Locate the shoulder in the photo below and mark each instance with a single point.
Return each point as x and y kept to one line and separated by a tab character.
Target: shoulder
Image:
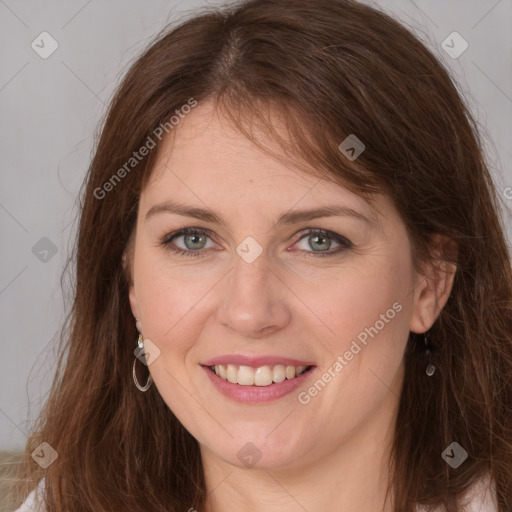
31	504
481	497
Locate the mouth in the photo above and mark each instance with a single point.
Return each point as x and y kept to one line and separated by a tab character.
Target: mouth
261	376
256	385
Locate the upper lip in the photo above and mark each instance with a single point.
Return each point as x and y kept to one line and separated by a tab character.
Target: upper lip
255	362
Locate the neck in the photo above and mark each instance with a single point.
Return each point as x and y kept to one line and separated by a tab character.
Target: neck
352	476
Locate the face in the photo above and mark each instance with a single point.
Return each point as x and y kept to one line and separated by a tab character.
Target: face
335	293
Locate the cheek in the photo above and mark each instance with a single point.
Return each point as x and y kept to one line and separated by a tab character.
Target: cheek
367	312
353	298
170	301
158	295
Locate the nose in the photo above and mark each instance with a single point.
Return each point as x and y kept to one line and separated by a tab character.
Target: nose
255	300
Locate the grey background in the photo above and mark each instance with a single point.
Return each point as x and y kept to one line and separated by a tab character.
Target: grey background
51	107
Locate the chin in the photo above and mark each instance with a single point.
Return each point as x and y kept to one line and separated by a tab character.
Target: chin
258	452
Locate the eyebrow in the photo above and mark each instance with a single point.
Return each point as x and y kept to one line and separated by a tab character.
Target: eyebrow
291	217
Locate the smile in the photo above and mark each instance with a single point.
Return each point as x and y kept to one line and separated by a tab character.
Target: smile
256	385
260	376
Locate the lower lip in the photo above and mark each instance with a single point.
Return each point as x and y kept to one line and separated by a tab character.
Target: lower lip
257	394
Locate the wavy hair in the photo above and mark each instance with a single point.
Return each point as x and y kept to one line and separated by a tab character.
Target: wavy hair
331	68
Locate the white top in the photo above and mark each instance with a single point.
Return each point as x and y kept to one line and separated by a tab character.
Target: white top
481	498
29	505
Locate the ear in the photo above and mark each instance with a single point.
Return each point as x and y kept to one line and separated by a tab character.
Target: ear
434	284
134	305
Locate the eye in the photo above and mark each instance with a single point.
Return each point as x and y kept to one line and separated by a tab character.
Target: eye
195	239
320	241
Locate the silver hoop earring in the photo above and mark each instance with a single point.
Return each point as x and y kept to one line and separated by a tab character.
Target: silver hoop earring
139	351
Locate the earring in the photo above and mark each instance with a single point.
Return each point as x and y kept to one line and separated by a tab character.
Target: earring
139	354
428	352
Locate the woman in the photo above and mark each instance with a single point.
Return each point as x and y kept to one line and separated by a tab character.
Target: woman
293	290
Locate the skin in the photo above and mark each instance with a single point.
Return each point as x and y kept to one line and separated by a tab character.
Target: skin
335	449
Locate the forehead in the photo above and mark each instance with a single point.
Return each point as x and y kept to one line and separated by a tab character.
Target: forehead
206	160
205	142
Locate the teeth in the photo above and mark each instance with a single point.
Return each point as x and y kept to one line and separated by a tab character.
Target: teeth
261	376
245	376
232	374
279	373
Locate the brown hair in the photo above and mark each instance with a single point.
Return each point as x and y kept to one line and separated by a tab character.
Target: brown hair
332	68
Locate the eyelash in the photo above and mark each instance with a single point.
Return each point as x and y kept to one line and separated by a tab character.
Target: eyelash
344	243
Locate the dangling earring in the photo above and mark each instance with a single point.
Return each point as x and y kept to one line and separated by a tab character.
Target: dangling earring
139	353
428	352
